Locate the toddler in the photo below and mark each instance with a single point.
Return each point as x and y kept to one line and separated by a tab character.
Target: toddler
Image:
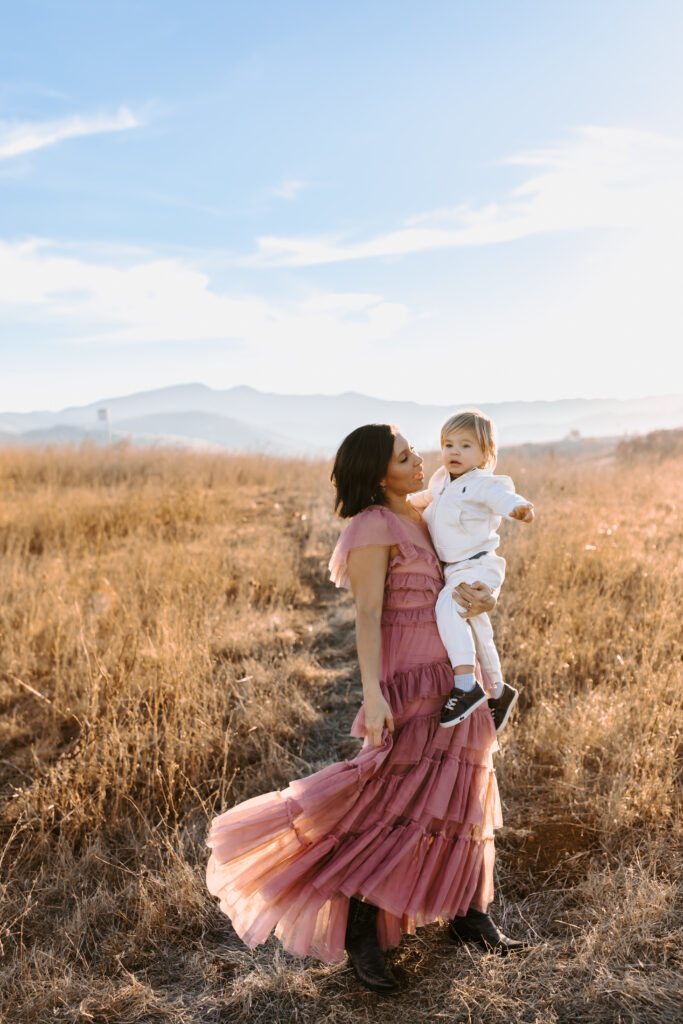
463	506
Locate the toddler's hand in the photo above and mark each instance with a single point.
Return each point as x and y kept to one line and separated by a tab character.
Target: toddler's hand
525	513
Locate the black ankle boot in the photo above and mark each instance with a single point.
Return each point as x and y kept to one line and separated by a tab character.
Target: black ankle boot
478	927
363	949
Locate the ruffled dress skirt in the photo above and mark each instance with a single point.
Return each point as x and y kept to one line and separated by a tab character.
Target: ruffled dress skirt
408	825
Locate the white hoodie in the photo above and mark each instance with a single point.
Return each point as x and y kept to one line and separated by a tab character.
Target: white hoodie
464	514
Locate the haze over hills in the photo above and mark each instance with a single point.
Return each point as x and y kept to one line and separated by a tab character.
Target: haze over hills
244	419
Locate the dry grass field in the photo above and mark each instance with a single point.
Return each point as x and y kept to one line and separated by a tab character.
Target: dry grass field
170	645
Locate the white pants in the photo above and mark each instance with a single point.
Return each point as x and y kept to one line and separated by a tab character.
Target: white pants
463	638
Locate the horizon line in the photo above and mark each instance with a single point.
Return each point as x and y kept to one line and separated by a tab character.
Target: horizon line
338	394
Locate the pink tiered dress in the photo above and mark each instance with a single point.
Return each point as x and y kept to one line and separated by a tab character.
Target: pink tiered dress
407	825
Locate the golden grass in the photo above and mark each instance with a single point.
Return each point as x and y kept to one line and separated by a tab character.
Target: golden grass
170	645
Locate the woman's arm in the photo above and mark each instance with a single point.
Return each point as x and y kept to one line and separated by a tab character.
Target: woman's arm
367	568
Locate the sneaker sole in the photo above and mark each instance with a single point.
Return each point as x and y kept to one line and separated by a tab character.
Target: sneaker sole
457	721
507	713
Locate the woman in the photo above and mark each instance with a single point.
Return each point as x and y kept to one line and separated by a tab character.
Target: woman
402	835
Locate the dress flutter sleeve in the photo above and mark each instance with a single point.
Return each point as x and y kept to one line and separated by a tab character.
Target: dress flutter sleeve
373	526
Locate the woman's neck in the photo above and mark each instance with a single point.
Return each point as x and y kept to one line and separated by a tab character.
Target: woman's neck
399	504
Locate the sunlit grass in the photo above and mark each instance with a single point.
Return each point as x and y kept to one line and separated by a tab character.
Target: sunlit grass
169	645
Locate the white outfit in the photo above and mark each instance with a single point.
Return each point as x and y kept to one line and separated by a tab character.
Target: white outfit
463	516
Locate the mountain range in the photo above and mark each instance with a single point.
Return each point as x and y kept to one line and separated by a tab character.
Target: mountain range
244	419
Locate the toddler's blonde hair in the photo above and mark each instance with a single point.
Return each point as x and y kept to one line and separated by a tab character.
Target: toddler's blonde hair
481	426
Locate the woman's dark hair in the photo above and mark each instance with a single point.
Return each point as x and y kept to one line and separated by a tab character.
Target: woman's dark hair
360	463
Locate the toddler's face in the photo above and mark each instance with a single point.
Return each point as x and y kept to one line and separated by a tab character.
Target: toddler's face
461	452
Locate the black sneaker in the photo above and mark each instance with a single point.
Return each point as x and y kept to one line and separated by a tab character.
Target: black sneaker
461	704
501	707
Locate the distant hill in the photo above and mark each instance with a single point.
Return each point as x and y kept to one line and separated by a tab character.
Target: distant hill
654	447
244	419
223	431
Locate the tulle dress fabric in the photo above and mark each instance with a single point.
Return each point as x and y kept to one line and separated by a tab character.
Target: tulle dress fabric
408	825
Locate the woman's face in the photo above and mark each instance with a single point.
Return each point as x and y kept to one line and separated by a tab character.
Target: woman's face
404	473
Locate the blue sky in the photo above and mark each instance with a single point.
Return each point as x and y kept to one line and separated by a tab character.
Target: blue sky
449	202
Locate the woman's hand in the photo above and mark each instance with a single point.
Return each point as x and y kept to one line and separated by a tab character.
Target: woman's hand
377	714
474	598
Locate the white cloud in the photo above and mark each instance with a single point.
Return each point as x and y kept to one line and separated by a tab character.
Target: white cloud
608	323
161	300
25	136
599	178
571	327
289	189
